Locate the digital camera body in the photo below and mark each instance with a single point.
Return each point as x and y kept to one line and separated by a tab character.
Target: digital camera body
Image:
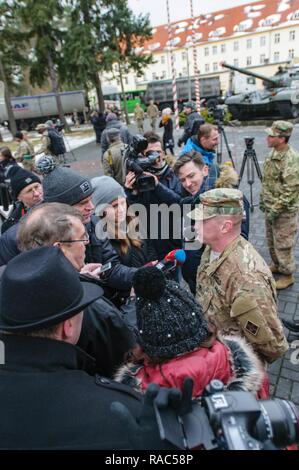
231	420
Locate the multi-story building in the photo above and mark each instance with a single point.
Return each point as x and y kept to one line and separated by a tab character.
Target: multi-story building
258	36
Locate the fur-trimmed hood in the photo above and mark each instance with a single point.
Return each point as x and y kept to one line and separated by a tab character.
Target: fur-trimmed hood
244	370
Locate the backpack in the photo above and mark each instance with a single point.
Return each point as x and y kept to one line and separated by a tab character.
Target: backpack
56	146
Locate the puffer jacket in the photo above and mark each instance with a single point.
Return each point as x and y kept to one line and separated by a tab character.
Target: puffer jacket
230	360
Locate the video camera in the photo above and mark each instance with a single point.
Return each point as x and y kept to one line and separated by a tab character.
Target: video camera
217	113
230	420
249	141
137	162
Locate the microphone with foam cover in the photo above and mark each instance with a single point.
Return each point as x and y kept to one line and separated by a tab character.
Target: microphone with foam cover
173	259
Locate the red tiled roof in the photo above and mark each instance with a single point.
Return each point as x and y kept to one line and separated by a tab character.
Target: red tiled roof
233	22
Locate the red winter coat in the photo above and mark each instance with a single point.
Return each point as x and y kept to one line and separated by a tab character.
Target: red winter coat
229	361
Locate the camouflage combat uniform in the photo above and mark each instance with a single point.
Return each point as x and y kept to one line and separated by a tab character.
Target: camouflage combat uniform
25	155
236	290
139	118
280	201
152	113
114	162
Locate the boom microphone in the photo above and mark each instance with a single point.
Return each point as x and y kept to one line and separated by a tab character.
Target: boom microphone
173	259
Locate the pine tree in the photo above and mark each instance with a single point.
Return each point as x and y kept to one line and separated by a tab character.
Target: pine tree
123	41
44	23
81	46
11	58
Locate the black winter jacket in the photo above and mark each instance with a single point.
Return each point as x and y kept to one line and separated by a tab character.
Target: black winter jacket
120	277
170	181
50	399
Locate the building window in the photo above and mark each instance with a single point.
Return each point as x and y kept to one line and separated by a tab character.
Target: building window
248	61
206	51
163	74
214	50
292	35
262	41
154	75
291	53
277	38
185	72
223	48
236	62
126	80
215	66
262	58
207	67
184	55
276	56
249	43
236	46
162	59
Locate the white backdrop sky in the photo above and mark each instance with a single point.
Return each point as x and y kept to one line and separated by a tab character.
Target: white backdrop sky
179	9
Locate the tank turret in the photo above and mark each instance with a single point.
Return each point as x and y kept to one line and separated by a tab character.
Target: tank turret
280	97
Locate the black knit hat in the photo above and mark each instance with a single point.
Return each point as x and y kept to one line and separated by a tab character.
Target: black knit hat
20	178
63	184
169	320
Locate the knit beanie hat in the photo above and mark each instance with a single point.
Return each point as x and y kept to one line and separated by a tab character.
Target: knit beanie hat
106	190
63	184
169	320
111	117
113	133
20	178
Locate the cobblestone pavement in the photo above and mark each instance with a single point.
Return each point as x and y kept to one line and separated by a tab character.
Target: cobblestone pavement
284	373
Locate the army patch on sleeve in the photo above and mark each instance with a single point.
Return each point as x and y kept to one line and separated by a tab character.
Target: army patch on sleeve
252	328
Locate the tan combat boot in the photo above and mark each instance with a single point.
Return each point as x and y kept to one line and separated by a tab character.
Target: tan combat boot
274	269
285	281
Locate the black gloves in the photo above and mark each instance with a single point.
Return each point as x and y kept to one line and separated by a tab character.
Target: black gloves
166	404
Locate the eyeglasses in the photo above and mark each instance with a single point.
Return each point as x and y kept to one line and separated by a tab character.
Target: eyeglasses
84	240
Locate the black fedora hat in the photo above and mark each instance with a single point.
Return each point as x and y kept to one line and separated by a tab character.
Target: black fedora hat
40	288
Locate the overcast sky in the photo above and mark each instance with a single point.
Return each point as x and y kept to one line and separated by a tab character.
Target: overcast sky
179	9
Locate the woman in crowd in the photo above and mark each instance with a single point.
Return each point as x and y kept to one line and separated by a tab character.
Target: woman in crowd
176	342
118	224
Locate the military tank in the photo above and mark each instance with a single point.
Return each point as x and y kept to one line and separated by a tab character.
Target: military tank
279	98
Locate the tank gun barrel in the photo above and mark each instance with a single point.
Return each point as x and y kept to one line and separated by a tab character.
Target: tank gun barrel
246	72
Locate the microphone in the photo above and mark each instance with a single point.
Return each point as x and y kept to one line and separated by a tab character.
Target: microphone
173	259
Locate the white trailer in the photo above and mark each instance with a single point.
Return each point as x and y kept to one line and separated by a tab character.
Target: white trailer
29	110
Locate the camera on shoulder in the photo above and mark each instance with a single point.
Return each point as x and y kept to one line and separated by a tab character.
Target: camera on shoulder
138	162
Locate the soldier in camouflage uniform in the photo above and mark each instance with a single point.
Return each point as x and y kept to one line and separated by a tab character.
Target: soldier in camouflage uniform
152	113
280	201
234	284
139	117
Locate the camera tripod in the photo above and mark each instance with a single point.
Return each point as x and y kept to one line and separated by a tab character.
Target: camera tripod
223	137
252	163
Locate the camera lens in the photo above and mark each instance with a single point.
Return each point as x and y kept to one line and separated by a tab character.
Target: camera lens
279	422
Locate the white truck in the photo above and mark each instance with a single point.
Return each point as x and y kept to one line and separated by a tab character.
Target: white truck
31	110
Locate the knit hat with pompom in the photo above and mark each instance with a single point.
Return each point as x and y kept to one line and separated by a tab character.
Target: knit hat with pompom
169	320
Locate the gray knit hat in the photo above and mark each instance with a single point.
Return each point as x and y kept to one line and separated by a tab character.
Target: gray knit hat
64	185
112	133
106	190
169	320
